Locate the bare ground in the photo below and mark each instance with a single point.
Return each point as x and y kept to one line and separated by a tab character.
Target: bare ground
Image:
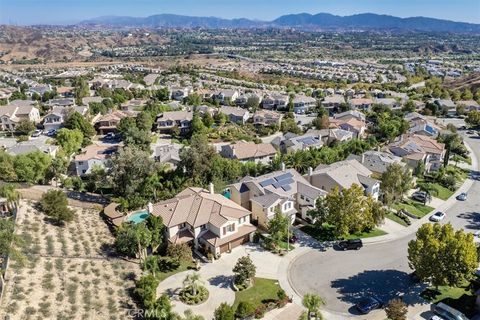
68	273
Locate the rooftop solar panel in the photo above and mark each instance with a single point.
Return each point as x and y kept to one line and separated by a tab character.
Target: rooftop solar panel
284	176
267	182
286	188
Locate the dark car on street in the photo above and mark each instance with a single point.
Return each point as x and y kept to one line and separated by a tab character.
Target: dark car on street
368	304
351	244
447	312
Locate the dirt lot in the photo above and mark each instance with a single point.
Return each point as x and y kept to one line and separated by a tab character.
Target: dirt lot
68	273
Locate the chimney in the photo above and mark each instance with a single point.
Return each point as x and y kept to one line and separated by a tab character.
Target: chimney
211	188
150	207
283	166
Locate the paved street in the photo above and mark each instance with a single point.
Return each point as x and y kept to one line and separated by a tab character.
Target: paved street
341	278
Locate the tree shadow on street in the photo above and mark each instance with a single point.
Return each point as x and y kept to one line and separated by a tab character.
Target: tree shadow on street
472	219
221	281
384	284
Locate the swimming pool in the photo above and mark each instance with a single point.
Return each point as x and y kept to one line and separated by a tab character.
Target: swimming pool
138	216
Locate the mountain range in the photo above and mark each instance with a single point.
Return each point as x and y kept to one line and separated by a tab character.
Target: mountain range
305	21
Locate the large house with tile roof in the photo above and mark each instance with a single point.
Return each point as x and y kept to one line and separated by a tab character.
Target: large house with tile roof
16	111
414	148
284	191
342	175
205	219
249	152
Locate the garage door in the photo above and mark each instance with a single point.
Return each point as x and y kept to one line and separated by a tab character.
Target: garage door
234	243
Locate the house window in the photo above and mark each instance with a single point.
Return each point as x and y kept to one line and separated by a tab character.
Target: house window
308	200
182	225
203	227
80	163
229	228
302	197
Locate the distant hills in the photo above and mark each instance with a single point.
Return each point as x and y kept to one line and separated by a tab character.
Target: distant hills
305	21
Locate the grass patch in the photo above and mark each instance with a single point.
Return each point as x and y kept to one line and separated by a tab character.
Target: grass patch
397	219
263	290
183	266
370	234
414	207
441	192
325	233
460	298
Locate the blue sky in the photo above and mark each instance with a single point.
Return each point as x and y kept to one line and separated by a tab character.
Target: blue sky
68	11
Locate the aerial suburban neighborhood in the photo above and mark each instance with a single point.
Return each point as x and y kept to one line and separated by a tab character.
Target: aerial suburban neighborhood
188	167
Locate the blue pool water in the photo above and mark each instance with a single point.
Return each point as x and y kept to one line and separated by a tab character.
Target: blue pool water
138	216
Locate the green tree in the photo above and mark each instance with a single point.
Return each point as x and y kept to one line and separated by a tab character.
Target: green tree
278	226
443	256
7	169
180	252
244	309
473	118
321	122
33	167
396	181
197	126
224	312
9	192
76	121
193	99
70	140
313	303
25	127
244	270
144	121
150	264
9	241
396	309
146	291
156	227
193	282
347	211
54	204
196	159
133	239
129	171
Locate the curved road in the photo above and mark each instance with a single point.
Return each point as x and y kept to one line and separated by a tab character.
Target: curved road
341	278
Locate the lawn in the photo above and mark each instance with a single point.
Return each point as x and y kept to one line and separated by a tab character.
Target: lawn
325	234
397	219
414	207
184	266
442	192
263	290
460	298
370	234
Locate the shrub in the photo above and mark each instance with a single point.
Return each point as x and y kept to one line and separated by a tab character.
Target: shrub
180	252
54	204
224	312
166	264
244	309
187	297
260	311
396	310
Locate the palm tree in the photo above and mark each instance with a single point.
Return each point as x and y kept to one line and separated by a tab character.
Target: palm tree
193	281
151	264
313	303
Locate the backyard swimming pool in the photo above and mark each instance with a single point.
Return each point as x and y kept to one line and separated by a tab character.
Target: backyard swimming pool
138	216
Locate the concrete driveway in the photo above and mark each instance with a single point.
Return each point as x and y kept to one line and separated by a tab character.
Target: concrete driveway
218	278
